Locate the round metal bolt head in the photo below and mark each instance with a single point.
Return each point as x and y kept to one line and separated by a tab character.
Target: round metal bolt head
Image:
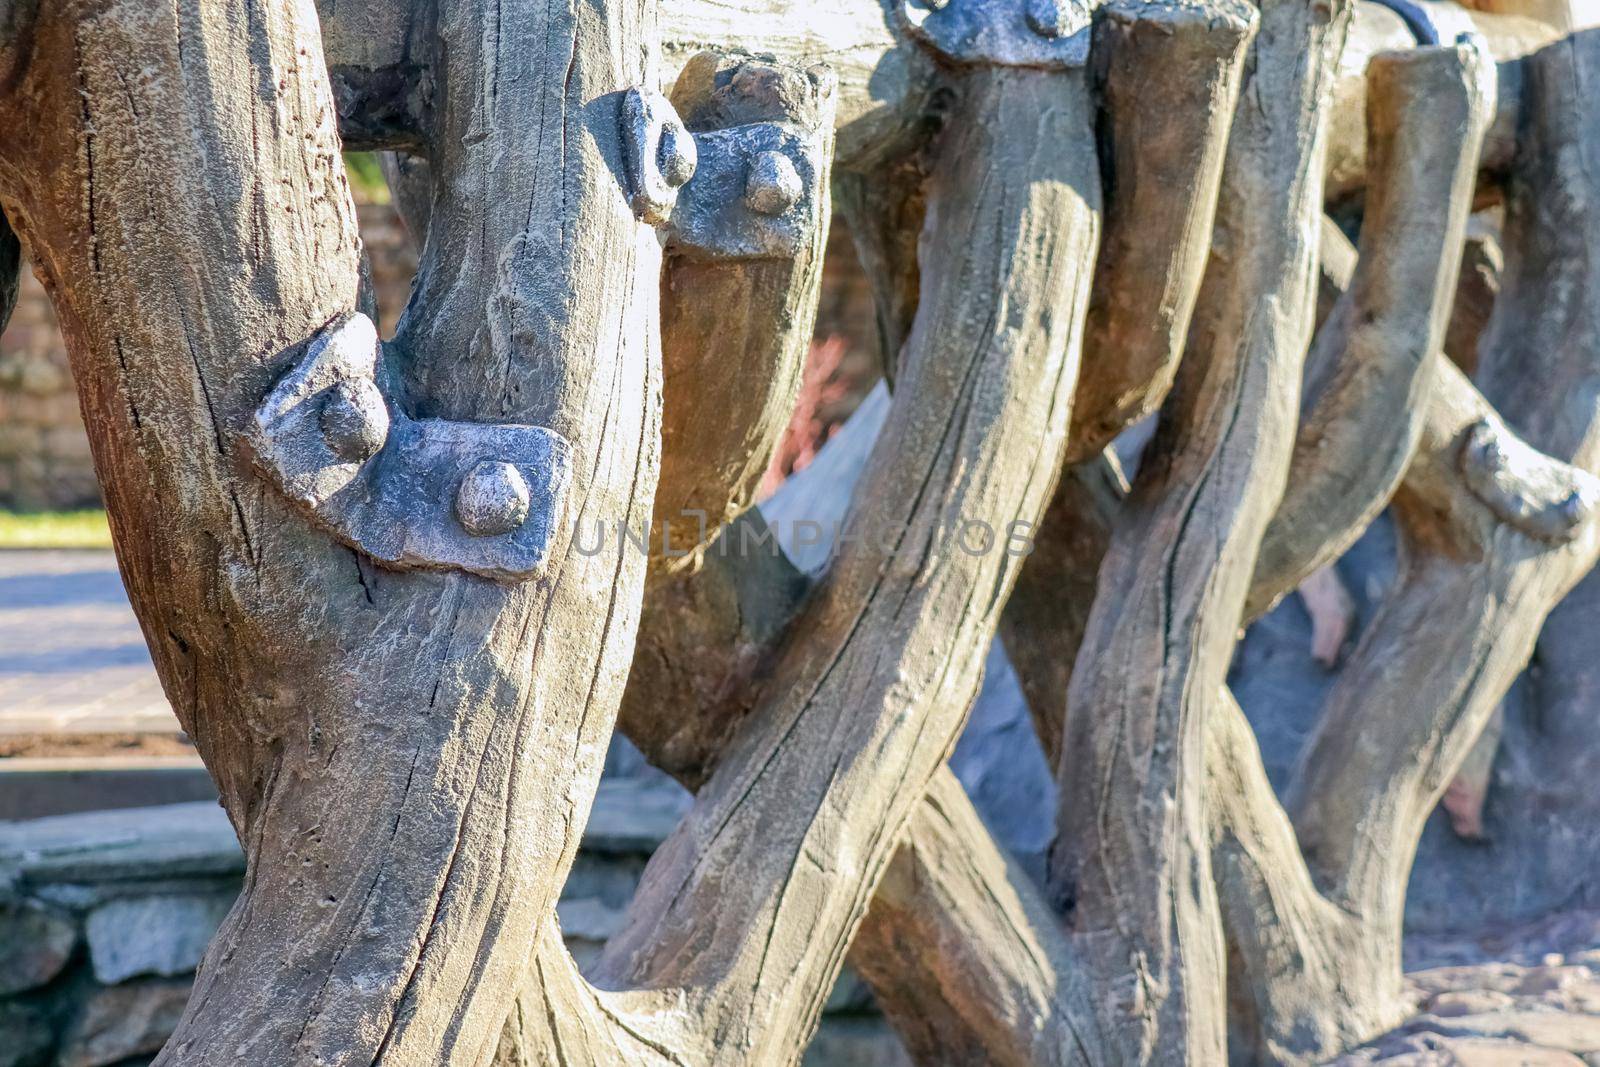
772	185
492	499
676	155
354	420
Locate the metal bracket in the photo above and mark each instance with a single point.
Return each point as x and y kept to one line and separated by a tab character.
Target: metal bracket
1051	34
410	493
749	188
753	196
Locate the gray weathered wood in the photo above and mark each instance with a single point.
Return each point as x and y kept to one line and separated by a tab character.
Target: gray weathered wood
402	667
1137	885
1370	372
366	726
1162	165
879	633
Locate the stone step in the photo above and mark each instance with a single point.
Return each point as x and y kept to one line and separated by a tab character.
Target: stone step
34	788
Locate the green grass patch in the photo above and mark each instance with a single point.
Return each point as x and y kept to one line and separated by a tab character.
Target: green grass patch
54	529
366	177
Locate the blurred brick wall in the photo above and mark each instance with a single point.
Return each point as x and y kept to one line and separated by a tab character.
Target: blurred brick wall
44	456
44	453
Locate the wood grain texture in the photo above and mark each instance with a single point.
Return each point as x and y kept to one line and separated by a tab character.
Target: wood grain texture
409	755
1474	586
889	88
736	331
1023	1000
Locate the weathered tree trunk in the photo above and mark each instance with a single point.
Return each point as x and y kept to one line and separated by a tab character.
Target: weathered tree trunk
372	728
1162	165
1370	373
1495	532
1131	865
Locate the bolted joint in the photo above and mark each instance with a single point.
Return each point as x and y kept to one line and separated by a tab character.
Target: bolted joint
772	184
761	130
409	493
758	194
354	420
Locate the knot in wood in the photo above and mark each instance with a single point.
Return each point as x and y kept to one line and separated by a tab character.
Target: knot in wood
1543	497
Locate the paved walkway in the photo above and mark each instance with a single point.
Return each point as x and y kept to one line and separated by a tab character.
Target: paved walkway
72	658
